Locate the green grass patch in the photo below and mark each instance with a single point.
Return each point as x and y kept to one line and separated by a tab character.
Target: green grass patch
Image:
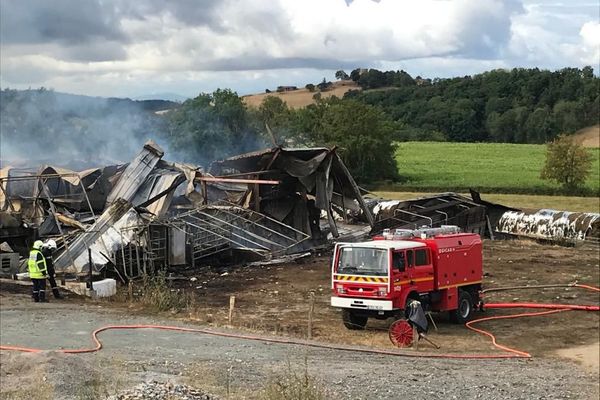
487	167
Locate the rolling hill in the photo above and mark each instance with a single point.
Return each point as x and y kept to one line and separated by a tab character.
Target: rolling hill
302	97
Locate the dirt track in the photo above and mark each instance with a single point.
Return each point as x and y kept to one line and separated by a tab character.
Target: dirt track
130	357
275	300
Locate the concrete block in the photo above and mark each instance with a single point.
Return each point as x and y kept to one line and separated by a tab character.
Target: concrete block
103	288
23	276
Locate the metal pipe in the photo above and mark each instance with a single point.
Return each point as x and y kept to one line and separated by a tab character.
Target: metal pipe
90	265
237	180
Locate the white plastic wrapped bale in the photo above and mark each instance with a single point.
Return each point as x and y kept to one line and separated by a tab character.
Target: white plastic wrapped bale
550	224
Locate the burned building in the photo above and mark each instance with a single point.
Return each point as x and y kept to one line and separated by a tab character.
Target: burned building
153	213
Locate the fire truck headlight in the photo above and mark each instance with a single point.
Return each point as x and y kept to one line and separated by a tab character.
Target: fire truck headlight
382	291
341	289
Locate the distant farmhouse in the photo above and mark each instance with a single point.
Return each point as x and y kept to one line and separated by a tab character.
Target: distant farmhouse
286	88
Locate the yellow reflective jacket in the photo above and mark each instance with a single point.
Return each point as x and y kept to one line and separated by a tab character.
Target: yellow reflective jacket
36	264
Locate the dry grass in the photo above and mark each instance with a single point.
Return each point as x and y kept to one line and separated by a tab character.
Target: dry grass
588	137
566	203
293	384
301	97
42	391
158	295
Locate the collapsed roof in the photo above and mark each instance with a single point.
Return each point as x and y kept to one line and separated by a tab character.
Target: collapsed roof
267	202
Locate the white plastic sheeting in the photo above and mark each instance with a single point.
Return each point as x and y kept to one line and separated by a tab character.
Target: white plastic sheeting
385	205
116	236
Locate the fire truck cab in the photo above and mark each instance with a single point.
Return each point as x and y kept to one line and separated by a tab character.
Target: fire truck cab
440	267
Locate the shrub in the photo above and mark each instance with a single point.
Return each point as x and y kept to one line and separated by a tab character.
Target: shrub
157	294
567	163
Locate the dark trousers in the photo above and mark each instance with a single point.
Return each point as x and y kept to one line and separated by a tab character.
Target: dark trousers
39	290
54	286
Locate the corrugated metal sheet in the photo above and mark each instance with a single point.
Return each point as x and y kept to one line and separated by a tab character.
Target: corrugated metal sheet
136	173
76	258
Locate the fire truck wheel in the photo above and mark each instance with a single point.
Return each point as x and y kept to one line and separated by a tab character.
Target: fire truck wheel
465	308
352	321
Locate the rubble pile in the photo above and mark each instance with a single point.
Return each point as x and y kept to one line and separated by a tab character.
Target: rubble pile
133	219
152	214
162	391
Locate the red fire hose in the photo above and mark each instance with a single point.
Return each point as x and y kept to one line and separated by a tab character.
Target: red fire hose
546	306
511	353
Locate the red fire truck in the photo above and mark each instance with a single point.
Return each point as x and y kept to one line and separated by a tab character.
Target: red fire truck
440	267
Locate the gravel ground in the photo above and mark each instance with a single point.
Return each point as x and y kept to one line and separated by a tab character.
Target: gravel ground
242	368
158	390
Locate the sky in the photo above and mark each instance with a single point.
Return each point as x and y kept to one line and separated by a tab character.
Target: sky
141	48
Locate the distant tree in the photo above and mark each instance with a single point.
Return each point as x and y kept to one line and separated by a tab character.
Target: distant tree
402	78
272	120
273	111
567	163
212	126
310	87
324	85
373	79
342	75
267	91
363	133
355	74
539	125
567	115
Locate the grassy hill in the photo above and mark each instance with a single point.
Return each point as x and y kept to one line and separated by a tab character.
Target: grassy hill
487	167
302	97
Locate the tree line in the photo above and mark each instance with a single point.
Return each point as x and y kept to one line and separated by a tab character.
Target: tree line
516	106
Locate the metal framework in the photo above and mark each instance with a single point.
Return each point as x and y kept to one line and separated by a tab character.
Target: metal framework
41	181
213	229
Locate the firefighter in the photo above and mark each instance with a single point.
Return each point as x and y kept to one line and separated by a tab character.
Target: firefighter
47	250
37	271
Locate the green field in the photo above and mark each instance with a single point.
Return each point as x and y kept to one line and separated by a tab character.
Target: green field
486	167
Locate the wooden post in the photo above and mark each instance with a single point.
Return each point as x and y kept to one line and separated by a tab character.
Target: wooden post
311	310
231	306
130	290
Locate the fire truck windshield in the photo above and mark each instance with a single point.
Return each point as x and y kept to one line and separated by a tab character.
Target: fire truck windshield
362	261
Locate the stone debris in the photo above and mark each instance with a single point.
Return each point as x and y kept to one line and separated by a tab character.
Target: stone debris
162	391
